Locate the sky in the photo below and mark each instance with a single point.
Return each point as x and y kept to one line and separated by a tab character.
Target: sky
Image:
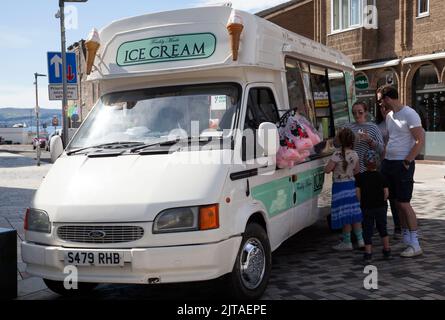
29	29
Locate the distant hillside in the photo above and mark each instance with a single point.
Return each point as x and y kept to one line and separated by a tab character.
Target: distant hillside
12	116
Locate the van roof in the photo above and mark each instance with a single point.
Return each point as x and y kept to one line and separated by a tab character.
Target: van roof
263	44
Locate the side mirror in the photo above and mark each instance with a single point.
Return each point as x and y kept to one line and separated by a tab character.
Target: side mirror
269	138
56	147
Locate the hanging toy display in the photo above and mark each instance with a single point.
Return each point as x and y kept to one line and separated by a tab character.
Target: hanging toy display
297	138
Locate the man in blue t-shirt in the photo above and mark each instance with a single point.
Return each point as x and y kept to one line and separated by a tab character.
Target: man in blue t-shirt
406	140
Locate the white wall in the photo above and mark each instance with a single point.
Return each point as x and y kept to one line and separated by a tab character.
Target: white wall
435	145
16	135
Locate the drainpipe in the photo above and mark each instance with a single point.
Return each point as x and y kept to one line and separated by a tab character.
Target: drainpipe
404	25
404	46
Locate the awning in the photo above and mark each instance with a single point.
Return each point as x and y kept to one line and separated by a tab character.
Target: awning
425	57
378	65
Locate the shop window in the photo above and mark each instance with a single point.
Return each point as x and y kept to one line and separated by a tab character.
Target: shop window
339	98
429	99
423	8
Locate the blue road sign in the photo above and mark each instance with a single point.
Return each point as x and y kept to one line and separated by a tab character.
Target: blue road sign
55	67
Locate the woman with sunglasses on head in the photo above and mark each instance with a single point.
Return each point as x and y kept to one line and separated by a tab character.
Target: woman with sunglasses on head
367	134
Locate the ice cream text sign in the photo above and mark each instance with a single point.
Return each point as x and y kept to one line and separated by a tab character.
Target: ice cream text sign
169	48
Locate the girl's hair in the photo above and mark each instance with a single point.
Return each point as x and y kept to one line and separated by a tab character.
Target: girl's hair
346	138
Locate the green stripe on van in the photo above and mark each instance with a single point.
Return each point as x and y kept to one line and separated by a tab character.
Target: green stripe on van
277	196
309	184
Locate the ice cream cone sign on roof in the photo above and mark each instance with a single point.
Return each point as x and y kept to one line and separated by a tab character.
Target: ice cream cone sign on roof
235	27
92	45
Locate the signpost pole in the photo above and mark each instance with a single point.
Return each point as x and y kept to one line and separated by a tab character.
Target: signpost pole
38	120
64	79
36	76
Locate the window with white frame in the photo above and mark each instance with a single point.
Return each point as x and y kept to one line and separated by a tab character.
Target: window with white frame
347	14
423	8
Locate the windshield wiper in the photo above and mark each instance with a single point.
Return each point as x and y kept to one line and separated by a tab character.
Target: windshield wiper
175	141
112	145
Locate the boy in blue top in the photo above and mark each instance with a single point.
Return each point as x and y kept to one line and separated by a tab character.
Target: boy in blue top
372	192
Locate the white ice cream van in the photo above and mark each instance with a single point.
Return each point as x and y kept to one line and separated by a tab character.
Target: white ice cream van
172	177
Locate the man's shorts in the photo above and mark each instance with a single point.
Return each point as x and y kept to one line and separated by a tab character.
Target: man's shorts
400	180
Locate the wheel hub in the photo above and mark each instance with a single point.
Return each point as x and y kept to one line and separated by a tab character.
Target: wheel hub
252	263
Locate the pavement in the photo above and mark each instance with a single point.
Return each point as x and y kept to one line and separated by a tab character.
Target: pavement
304	267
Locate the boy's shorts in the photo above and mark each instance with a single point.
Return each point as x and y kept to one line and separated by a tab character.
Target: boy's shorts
400	180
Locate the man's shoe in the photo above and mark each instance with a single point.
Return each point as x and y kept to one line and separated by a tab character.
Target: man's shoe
411	252
386	254
343	246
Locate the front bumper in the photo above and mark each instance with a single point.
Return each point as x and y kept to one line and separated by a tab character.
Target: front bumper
168	264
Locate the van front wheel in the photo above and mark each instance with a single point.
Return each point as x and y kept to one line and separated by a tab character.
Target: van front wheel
251	272
59	288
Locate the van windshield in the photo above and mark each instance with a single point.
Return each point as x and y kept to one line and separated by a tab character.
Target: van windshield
159	114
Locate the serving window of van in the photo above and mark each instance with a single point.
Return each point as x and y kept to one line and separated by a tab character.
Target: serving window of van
339	98
319	94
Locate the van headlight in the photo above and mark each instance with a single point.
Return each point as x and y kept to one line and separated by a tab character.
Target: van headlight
187	219
37	221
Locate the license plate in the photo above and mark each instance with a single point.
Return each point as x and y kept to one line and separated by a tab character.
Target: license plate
93	258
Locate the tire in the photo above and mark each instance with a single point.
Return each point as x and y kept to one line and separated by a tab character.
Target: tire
248	282
58	287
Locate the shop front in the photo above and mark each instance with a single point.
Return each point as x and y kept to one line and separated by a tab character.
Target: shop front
428	99
369	77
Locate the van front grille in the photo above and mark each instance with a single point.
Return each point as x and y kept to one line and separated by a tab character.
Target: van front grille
100	234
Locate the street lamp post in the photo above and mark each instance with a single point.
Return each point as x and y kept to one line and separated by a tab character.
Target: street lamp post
61	16
36	76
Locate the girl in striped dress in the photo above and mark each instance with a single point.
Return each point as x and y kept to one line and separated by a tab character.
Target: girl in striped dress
345	209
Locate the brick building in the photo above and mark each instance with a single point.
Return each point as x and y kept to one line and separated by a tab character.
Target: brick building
398	42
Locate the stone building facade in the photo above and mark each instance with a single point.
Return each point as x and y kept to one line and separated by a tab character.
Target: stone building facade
398	42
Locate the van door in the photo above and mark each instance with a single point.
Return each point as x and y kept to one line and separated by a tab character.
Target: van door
273	188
